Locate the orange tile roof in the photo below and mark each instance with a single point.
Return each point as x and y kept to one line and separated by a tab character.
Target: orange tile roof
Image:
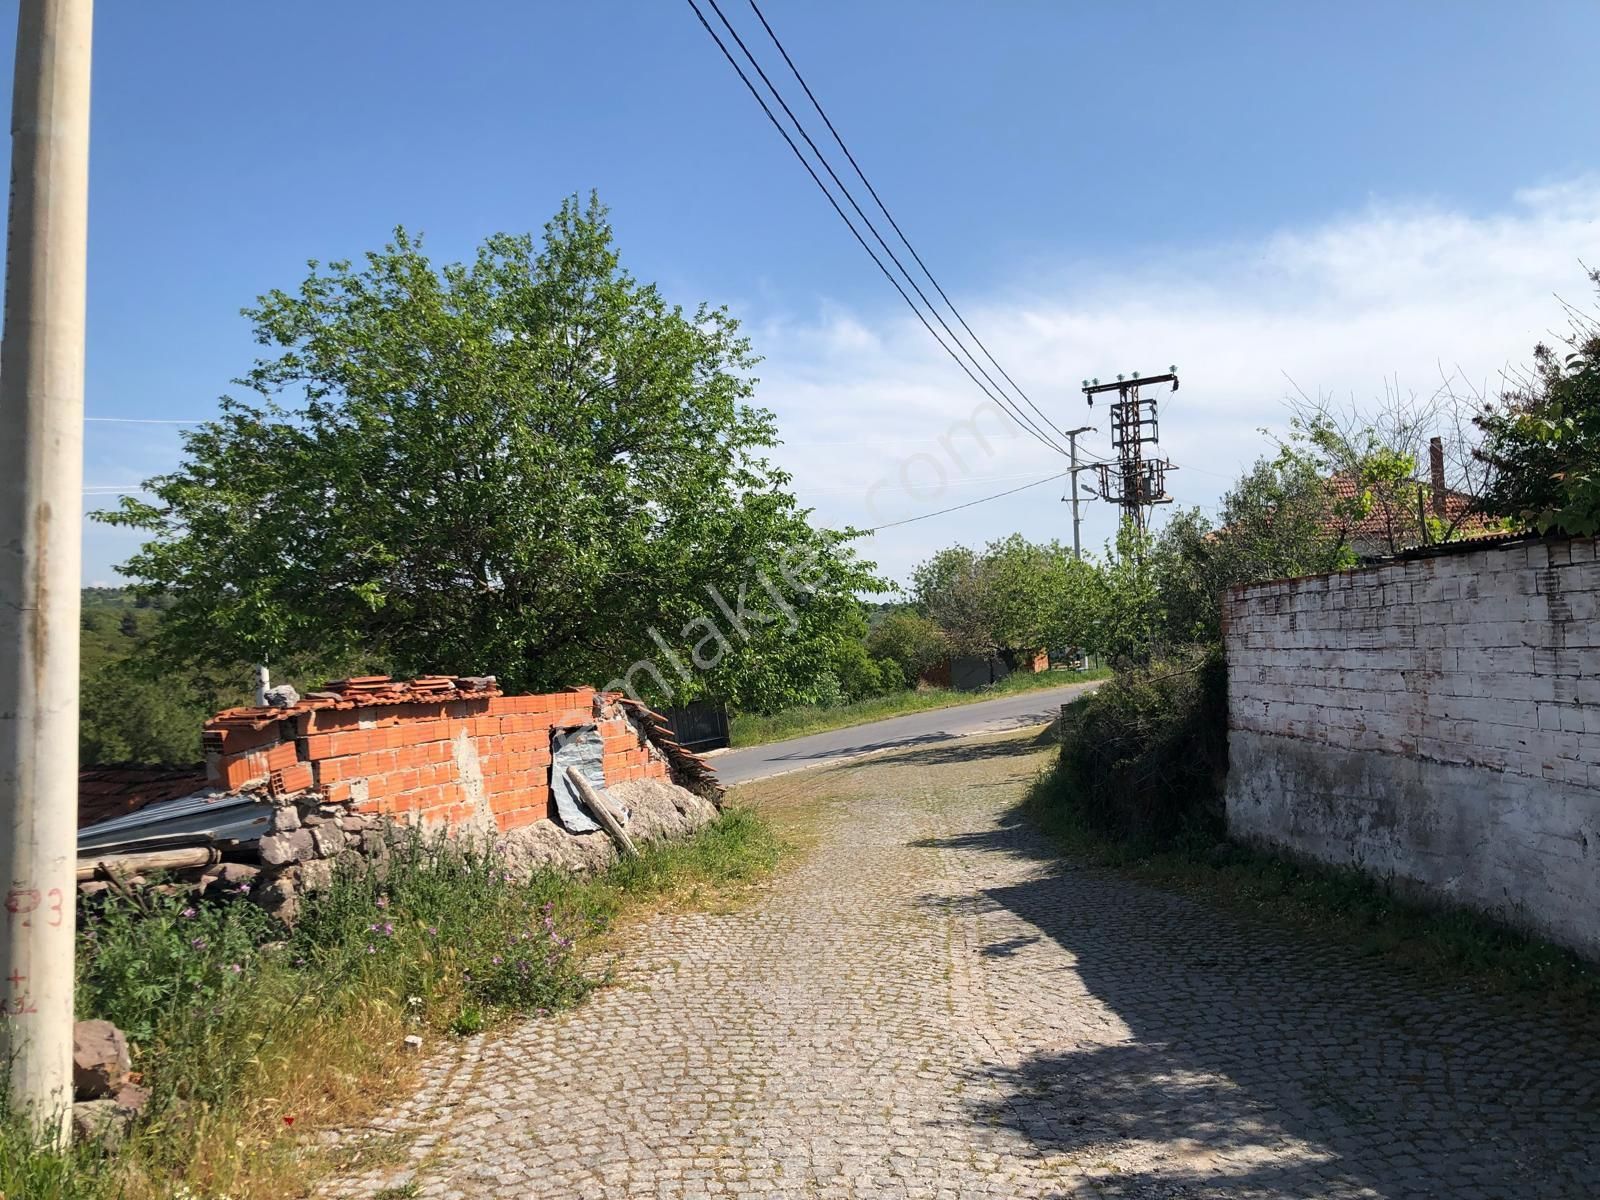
1398	525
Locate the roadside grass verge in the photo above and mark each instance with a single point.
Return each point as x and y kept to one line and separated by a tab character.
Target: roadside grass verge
1342	905
253	1036
756	729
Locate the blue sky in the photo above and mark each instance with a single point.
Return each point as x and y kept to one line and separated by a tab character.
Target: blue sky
1342	194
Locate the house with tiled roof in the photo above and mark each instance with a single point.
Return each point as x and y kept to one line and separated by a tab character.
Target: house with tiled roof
1395	522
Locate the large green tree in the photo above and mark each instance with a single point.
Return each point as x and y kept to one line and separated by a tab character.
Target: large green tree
520	465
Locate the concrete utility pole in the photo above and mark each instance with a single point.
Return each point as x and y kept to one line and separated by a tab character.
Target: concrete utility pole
1072	440
41	503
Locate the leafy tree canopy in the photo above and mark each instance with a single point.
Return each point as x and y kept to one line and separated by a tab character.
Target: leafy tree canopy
1014	595
908	640
1543	440
519	465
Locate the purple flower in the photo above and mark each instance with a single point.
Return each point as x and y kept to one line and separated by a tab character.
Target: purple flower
198	943
433	931
495	960
187	914
388	929
383	902
372	949
235	968
373	928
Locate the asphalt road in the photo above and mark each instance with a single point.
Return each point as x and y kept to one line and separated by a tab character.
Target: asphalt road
913	729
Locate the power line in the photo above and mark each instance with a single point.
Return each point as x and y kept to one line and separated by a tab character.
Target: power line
882	207
148	420
1008	406
981	500
1046	429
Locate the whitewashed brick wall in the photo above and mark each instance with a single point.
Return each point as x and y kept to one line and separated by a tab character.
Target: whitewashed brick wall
1435	720
1487	659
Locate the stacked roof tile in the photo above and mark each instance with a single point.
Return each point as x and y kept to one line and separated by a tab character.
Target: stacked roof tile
360	691
689	769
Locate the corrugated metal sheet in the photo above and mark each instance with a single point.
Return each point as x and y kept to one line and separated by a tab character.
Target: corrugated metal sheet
201	818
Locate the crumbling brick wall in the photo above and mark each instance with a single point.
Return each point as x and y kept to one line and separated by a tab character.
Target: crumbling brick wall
455	752
1435	721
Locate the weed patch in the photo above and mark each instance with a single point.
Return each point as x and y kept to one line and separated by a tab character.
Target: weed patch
251	1035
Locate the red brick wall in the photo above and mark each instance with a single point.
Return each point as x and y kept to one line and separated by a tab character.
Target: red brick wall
478	761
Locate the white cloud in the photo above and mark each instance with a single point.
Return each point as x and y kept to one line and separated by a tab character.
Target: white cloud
1399	291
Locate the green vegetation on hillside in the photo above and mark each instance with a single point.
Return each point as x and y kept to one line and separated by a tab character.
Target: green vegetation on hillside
131	709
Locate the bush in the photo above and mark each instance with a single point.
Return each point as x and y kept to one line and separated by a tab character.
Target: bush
910	642
1143	758
860	675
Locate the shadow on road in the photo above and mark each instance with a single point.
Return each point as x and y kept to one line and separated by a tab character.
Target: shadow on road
1260	1065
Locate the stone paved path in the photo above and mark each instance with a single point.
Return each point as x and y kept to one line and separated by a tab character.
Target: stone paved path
929	1005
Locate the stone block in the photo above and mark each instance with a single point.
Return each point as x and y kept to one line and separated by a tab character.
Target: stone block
283	848
328	838
100	1059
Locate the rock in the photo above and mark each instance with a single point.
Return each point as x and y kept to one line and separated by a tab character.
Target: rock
227	878
285	819
353	823
99	1122
131	1099
283	848
280	897
282	696
100	1060
315	875
413	1044
93	887
329	839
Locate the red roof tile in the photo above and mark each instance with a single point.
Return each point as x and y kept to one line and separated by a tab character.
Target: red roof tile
113	791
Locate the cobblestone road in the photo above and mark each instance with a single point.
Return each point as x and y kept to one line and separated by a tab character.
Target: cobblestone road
929	1005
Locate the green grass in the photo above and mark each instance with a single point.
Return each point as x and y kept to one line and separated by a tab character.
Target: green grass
1445	944
250	1035
754	729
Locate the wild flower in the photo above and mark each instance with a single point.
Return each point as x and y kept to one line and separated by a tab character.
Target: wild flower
235	968
371	949
198	944
383	902
188	914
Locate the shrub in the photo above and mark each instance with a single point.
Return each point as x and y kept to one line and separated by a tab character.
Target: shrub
1143	758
